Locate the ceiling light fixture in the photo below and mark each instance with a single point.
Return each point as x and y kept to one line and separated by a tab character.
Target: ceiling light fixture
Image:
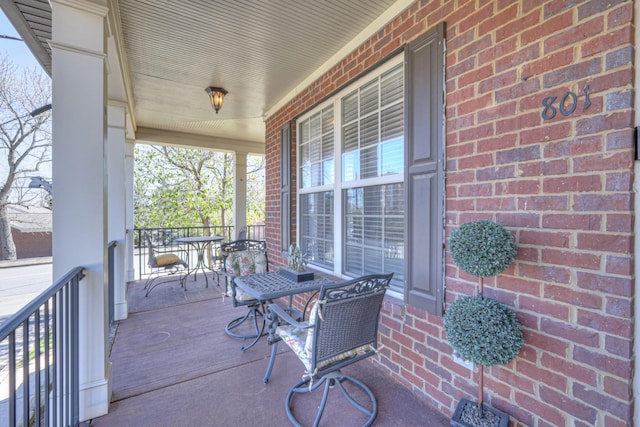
217	95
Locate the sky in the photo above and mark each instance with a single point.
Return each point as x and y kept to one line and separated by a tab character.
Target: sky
21	56
18	52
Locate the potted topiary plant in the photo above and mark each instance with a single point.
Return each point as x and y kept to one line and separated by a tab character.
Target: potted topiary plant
480	329
296	266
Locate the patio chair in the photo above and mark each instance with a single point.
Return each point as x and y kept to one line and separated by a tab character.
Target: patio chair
168	263
240	258
342	329
242	234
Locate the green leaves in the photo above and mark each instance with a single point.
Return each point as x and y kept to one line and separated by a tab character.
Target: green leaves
180	187
483	331
482	248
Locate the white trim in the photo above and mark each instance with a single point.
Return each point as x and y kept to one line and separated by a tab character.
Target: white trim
74	49
363	36
85	6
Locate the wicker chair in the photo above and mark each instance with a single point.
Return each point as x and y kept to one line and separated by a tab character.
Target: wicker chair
240	258
167	263
342	329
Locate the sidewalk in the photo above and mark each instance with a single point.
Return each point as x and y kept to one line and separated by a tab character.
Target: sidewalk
25	262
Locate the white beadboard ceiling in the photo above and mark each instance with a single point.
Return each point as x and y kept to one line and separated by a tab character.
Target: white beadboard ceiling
259	50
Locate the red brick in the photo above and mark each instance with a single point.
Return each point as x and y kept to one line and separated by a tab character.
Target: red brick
621	223
546	308
546	343
572	370
543	410
603	402
574	407
544	203
549	62
546	133
476	133
621	265
602	202
620	286
544	238
603	162
618	346
570	296
507	124
572	221
620	243
618	388
602	323
572	184
574	34
571	259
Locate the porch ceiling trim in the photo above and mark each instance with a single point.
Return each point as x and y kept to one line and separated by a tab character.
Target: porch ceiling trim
189	140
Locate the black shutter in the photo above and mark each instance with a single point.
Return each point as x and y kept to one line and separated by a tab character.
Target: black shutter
424	171
285	186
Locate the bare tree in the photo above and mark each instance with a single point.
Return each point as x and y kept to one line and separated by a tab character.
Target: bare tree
25	137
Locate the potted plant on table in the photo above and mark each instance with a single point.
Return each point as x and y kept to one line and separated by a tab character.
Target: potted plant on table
296	266
481	329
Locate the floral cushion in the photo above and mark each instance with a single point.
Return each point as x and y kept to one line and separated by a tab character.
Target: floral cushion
300	340
167	259
242	263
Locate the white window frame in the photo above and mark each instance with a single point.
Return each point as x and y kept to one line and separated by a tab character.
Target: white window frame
338	186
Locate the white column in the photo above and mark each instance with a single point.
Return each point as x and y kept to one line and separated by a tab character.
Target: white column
116	114
129	222
240	191
80	190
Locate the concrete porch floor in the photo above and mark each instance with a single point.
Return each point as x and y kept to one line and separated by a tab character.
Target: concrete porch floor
173	365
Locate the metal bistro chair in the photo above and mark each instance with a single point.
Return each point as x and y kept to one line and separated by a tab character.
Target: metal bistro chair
240	258
342	329
169	262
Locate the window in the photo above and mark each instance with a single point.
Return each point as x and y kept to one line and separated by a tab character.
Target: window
371	168
351	165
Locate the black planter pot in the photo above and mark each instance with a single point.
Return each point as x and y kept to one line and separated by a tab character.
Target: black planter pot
464	417
296	276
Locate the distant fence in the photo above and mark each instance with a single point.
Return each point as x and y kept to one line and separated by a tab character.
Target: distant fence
163	240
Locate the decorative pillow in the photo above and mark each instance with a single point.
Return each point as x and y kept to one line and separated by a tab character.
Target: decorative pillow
167	259
243	263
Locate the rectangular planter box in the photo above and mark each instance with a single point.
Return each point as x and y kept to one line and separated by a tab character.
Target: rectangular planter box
295	276
501	419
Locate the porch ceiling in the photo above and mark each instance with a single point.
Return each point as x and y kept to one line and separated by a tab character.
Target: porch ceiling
261	52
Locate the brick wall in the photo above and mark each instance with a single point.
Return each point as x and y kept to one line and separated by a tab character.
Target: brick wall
31	245
562	186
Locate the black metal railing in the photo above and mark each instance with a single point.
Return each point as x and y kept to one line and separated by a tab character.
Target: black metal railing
39	357
163	240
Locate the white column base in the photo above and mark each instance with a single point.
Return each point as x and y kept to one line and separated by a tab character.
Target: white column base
121	310
95	397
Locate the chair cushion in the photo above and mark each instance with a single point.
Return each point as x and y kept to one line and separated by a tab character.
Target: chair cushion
167	259
297	339
243	263
312	320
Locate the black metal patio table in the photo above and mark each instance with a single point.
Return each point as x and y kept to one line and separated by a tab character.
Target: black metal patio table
200	244
266	287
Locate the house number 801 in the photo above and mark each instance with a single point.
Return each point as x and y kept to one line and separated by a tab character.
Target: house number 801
570	98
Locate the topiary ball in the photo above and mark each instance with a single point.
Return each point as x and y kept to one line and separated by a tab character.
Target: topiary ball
483	331
482	248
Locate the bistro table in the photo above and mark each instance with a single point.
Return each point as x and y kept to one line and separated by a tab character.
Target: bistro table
200	244
272	285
